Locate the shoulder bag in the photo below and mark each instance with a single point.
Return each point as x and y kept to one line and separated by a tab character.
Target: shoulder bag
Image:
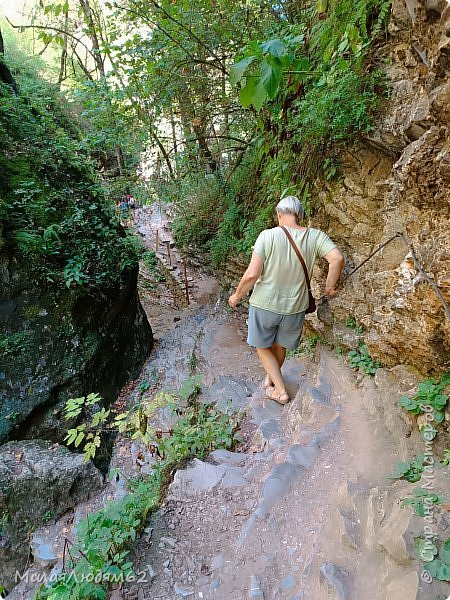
312	302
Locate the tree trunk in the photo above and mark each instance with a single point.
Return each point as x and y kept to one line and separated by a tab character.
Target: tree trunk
174	131
5	74
89	20
163	152
63	62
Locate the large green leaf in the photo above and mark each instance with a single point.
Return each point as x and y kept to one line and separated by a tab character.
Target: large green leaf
271	74
237	70
321	6
253	93
444	554
439	569
274	47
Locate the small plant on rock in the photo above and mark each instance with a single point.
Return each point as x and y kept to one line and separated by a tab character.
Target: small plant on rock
440	567
201	428
411	470
353	324
420	499
429	393
307	346
361	359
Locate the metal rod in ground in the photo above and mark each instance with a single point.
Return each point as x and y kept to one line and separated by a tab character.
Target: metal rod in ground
168	253
157	240
186	285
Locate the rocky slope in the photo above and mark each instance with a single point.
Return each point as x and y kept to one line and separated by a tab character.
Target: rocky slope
398	180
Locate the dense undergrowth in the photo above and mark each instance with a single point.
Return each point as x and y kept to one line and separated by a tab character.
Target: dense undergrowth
53	214
99	557
314	88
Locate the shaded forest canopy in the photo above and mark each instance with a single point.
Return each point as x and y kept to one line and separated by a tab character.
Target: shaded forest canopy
226	105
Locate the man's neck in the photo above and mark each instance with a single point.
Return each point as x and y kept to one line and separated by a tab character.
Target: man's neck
288	221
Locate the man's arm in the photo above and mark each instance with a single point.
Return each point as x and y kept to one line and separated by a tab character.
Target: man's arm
336	263
249	278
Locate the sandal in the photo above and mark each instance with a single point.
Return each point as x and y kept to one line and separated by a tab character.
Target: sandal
267	383
274	395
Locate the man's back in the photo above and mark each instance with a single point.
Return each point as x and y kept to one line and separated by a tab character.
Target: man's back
281	287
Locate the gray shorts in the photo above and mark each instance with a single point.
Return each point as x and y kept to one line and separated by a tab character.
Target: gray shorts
266	328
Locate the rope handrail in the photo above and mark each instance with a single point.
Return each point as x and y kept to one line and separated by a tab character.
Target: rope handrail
417	265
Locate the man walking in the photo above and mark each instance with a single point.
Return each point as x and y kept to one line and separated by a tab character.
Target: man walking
280	294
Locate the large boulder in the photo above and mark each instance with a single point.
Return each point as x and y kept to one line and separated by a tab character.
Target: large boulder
39	481
62	343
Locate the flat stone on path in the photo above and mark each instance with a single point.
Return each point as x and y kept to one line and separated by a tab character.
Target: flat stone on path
202	476
199	476
335	578
225	456
288	582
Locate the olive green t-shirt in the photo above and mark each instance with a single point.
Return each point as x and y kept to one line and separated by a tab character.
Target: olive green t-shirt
281	287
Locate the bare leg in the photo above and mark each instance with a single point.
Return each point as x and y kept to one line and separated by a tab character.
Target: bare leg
269	361
280	354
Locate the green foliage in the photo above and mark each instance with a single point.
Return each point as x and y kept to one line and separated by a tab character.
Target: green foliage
430	393
440	567
200	210
99	557
337	108
202	428
13	416
14	343
421	501
361	359
86	432
264	65
425	549
144	386
135	422
353	324
47	516
89	433
312	88
193	362
307	346
446	459
228	233
52	210
411	470
153	265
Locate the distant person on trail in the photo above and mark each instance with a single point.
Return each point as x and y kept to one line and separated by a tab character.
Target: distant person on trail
280	295
124	213
131	205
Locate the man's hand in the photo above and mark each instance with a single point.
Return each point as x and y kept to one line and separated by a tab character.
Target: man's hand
331	292
233	301
247	281
335	265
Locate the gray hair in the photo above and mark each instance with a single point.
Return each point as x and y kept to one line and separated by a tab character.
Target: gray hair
291	205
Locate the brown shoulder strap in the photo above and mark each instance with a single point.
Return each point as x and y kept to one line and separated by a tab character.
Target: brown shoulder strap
297	252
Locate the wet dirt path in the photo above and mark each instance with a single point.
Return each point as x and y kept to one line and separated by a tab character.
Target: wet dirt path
304	510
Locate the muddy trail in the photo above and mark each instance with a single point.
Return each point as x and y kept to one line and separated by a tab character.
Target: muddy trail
303	509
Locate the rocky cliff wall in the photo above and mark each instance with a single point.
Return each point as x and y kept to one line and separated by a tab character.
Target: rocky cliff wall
58	344
398	180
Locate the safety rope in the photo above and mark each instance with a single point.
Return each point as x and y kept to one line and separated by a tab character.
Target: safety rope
418	266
